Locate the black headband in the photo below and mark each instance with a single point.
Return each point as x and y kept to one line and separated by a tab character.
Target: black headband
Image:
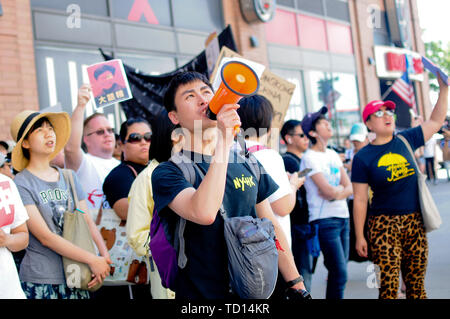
25	124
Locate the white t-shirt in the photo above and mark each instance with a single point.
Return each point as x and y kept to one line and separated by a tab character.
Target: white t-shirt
274	165
12	215
430	148
328	163
91	174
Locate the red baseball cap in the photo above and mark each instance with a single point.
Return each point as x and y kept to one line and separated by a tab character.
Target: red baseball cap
374	106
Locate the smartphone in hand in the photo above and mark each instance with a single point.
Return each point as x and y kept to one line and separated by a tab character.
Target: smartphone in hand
304	172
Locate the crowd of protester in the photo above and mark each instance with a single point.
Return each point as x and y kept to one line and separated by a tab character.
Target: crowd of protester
348	206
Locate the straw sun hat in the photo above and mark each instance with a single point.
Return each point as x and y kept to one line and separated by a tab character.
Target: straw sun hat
25	120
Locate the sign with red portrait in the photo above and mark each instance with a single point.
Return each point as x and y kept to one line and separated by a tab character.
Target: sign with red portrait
109	83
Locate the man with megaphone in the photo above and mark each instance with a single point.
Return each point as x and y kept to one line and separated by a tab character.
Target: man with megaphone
229	183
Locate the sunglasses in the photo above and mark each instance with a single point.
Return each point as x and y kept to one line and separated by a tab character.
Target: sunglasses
301	135
380	113
136	137
102	131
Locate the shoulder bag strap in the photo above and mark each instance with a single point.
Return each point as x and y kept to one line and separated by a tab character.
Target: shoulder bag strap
133	170
408	146
69	180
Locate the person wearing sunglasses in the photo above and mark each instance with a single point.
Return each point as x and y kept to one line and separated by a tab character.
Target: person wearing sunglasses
89	151
134	140
296	144
396	236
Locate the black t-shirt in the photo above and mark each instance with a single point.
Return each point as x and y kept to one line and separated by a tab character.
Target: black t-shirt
299	214
206	274
391	173
118	182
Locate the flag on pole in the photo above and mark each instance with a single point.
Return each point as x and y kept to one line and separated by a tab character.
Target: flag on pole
403	87
433	68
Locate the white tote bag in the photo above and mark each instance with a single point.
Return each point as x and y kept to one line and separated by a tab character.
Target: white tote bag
430	213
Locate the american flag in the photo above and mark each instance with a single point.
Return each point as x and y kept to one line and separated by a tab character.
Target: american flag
405	90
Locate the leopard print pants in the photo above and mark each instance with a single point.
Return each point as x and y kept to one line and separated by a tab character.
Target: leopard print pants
399	243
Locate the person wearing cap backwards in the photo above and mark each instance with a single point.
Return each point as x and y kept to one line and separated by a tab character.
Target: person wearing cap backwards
327	187
46	196
396	235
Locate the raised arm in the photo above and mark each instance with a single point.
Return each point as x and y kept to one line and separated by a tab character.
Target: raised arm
437	117
72	151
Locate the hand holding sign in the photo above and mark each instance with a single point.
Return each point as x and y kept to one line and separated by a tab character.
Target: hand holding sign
433	68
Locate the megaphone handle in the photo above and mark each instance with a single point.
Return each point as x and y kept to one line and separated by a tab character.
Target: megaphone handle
236	130
240	139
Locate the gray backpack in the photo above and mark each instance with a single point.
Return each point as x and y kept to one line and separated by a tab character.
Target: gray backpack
252	252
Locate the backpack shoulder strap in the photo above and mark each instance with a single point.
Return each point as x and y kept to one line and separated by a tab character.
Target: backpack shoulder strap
185	165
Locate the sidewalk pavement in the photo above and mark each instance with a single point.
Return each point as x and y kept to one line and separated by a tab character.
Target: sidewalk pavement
437	280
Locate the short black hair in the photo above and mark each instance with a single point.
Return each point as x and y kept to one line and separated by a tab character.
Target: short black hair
288	128
102	69
178	80
255	112
5	145
161	146
314	123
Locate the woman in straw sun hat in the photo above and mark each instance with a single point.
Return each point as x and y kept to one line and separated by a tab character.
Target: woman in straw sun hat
46	196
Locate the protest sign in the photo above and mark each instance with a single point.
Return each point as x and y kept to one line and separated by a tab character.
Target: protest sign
109	83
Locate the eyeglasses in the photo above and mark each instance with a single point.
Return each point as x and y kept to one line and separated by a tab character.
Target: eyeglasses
380	113
102	131
301	135
136	137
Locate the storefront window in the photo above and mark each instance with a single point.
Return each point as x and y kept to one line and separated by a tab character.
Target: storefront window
346	104
60	73
339	92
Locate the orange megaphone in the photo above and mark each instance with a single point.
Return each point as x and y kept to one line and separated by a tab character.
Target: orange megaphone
238	80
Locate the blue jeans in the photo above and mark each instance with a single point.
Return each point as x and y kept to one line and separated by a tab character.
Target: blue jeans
334	237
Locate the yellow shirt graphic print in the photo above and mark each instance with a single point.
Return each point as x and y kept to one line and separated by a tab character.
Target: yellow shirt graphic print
241	182
397	165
